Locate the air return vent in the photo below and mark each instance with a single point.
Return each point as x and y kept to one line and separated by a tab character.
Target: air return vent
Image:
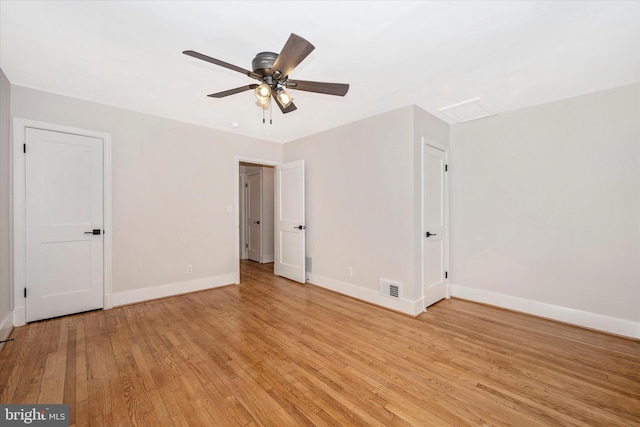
465	111
390	288
308	263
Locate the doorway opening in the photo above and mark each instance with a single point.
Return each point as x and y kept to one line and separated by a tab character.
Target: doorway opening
256	212
256	170
288	233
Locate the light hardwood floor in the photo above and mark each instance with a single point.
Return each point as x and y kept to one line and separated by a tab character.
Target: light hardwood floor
271	352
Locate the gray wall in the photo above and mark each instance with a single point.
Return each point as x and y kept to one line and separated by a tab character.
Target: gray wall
545	204
172	184
6	321
363	203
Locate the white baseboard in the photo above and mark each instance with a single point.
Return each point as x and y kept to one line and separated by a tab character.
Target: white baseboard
171	289
6	326
267	258
585	319
412	308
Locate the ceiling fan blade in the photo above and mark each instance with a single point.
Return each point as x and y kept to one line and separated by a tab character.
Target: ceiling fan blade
222	64
294	51
290	108
338	89
233	91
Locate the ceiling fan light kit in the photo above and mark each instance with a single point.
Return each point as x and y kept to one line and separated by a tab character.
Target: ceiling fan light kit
283	97
263	94
273	70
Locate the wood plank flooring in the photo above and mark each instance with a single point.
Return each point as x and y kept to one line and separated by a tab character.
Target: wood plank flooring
271	352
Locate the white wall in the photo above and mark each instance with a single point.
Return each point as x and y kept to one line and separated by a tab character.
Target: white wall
545	210
361	183
6	319
172	185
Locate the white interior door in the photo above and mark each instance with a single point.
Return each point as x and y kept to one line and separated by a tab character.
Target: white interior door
290	221
254	216
434	225
64	208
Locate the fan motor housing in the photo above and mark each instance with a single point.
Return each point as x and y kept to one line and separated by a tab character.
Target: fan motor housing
263	62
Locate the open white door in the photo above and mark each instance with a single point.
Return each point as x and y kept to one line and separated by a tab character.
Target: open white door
290	221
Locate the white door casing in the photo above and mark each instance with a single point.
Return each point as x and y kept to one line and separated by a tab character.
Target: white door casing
64	204
242	212
254	215
20	127
290	221
434	212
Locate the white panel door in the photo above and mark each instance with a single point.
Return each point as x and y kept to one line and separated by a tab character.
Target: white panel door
434	225
254	216
290	224
64	208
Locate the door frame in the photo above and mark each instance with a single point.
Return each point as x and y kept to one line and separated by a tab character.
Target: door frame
242	212
434	144
19	210
236	204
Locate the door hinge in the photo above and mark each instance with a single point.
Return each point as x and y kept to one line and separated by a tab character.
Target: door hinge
246	245
25	292
446	168
246	185
24	148
446	274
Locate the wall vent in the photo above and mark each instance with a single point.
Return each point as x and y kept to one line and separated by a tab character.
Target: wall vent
390	288
307	264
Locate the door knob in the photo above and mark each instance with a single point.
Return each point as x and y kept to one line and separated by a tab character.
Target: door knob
430	234
257	222
300	227
95	232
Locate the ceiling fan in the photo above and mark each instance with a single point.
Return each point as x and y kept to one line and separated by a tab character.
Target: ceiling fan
273	70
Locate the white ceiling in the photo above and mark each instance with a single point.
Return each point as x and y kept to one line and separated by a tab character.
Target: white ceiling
510	54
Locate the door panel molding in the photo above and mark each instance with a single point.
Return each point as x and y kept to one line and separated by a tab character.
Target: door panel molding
20	127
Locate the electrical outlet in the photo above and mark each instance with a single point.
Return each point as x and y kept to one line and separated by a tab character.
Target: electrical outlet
350	271
189	269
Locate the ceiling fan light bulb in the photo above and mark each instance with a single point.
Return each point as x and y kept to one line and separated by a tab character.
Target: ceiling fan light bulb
284	98
263	93
264	105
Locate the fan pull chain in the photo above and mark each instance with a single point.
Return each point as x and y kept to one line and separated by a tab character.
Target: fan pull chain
264	120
